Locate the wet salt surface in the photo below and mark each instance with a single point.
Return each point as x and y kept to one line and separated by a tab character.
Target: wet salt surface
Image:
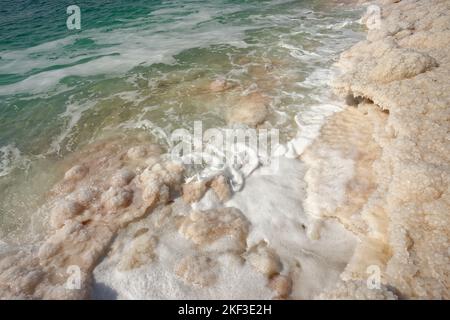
273	206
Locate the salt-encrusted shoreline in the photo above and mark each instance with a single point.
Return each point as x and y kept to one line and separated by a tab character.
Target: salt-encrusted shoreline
397	137
125	216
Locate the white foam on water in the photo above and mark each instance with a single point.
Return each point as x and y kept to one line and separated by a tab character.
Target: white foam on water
274	206
11	158
153	39
300	53
25	60
341	25
72	115
148	126
119	50
130	96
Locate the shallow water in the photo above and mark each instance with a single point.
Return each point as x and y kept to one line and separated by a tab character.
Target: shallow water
144	67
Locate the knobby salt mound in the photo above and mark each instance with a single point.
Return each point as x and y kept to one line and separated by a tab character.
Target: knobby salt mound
396	140
110	186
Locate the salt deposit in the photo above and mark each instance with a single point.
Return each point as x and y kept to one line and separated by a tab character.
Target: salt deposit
360	186
403	69
83	224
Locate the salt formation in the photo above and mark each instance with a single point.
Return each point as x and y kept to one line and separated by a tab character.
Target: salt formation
282	285
197	270
278	245
112	187
340	176
397	200
206	227
193	254
221	188
195	190
124	223
251	109
220	85
122	206
264	260
139	251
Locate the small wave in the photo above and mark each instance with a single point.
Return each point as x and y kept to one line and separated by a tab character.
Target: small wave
115	52
72	115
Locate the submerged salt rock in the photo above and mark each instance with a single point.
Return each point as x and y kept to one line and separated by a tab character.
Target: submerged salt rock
115	198
150	195
219	85
206	227
122	177
151	161
29	282
153	187
75	244
84	195
141	152
199	270
150	177
194	191
281	285
221	187
168	173
64	210
139	252
20	274
164	194
136	153
172	173
250	110
76	173
264	260
89	207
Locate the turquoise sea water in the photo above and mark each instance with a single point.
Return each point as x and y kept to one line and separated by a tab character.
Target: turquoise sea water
145	67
